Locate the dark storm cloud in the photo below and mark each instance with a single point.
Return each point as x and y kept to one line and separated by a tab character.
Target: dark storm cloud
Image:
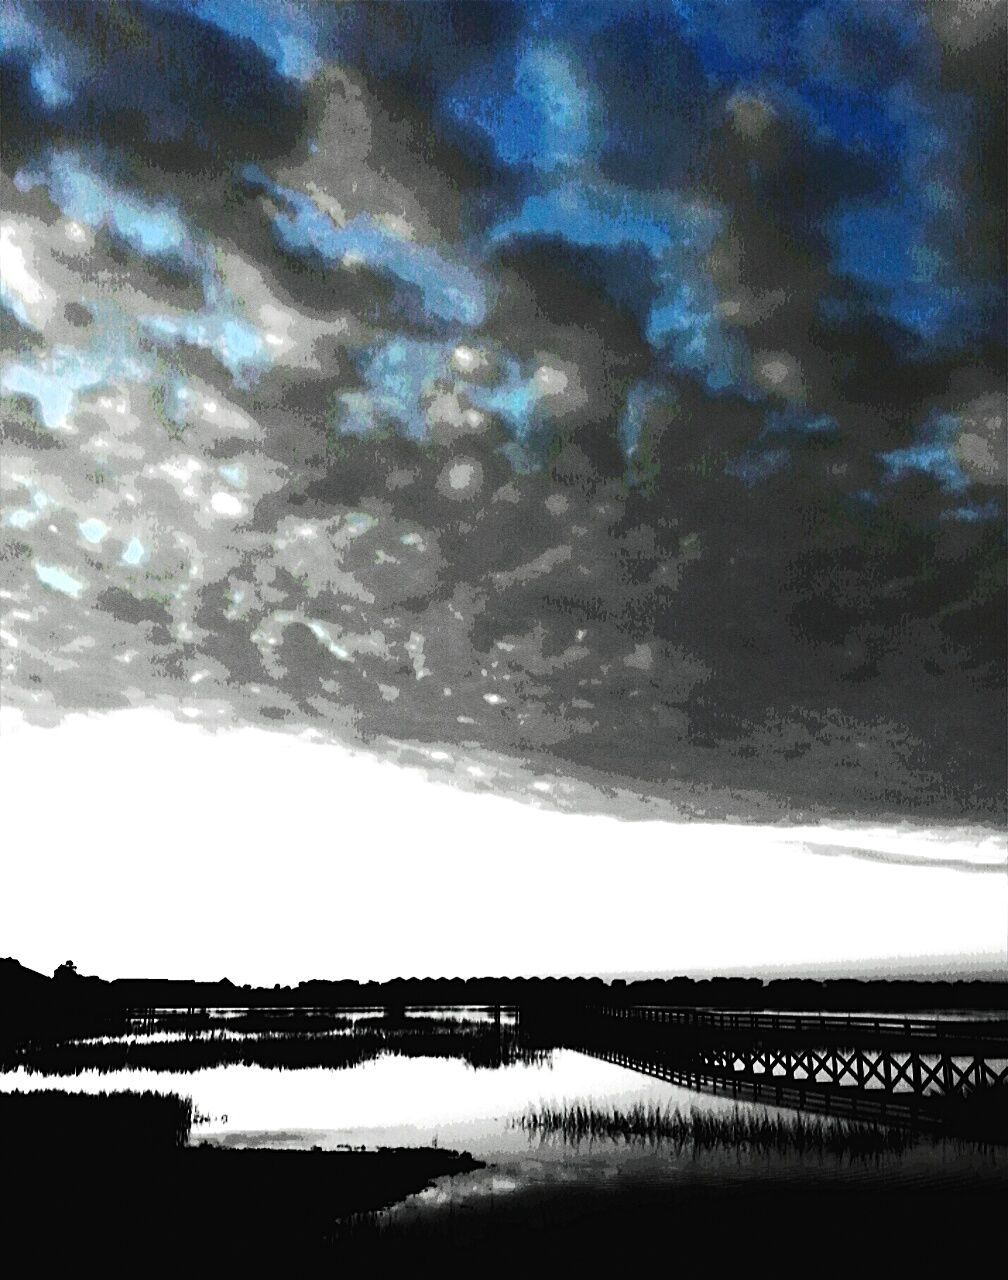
615	387
153	82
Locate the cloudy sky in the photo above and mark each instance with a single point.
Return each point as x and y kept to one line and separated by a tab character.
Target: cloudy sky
596	404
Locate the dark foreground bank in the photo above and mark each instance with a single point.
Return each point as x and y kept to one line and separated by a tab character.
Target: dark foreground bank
320	1210
111	1180
718	1227
207	1201
98	1174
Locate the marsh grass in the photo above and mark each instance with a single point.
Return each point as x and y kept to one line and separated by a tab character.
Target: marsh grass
476	1045
757	1132
79	1122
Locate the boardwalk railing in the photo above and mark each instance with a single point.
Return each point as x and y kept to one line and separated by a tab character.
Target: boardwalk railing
821	1057
853	1104
828	1025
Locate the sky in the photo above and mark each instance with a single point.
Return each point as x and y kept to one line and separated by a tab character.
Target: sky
282	858
598	408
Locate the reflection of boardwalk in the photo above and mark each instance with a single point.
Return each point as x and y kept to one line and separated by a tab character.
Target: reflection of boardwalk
899	1069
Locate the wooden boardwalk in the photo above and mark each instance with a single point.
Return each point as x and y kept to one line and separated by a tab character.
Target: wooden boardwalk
899	1069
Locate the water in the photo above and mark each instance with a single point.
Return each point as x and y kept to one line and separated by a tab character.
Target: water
387	1101
453	1078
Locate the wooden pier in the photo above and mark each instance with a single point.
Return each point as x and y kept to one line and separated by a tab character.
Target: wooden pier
897	1069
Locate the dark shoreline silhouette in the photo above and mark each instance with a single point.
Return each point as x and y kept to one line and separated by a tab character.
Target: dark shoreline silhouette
112	1175
115	1172
479	1047
710	1227
126	1181
68	993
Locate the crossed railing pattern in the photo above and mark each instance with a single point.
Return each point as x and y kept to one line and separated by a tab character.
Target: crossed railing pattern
871	1056
888	1070
901	1108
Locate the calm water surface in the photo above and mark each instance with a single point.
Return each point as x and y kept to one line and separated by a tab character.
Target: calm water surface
420	1100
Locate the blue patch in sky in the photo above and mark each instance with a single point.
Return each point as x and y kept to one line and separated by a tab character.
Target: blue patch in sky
863	79
402	374
683	322
235	343
685	326
50	84
16	33
902	243
879	244
975	513
513	400
593	218
543	120
399	375
155	230
641	399
54	384
898	254
93	530
48	73
134	553
751	468
932	455
51	575
233	473
12	303
936	460
283	33
795	419
449	290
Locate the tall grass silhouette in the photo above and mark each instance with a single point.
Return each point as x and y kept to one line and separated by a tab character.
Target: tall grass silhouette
703	1131
138	1121
221	1047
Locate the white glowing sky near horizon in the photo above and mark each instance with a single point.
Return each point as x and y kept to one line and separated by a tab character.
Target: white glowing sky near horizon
140	846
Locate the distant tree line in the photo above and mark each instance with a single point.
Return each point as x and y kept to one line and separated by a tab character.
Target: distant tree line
727	993
69	995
